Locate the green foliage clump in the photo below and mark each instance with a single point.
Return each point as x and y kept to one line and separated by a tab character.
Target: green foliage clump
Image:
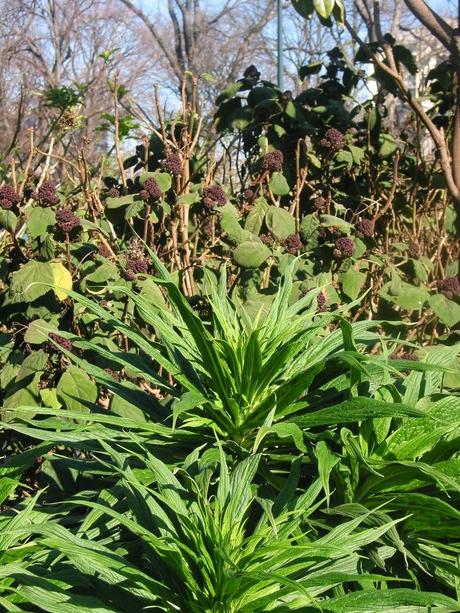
233	385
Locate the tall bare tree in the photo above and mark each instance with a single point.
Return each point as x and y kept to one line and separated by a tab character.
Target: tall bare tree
53	43
197	39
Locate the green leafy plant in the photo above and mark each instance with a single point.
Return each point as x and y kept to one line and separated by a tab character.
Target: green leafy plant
191	542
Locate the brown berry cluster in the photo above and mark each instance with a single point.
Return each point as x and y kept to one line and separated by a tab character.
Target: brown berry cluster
8	197
113	192
150	190
104	251
321	302
46	194
344	247
136	261
413	250
267	239
293	243
65	343
136	265
450	287
173	164
273	161
333	140
404	356
365	227
213	196
66	220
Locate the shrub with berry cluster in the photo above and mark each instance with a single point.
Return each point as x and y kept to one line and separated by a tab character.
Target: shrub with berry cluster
297	197
203	305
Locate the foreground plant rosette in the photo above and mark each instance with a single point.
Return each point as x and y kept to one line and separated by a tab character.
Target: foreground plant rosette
206	540
288	464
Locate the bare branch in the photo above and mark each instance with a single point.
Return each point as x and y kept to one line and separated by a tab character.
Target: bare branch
439	28
156	35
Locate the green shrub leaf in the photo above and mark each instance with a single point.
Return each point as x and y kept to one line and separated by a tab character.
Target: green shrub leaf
250	254
280	222
278	184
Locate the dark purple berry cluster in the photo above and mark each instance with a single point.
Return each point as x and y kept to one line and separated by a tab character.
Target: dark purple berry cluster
46	194
344	247
65	343
333	140
293	243
213	196
136	265
173	164
66	220
321	302
413	250
365	227
104	251
267	239
113	192
248	194
450	287
273	161
404	356
8	197
150	190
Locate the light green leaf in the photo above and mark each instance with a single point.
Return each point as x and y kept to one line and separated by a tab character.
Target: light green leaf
39	219
331	221
278	184
37	331
255	218
116	203
8	220
24	286
326	462
324	7
75	386
250	254
25	390
280	222
62	279
352	282
387	145
447	310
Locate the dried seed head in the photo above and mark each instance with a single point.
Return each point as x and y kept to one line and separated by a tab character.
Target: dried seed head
152	188
321	302
293	243
450	287
273	161
66	220
173	164
365	227
413	250
8	197
333	140
344	247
